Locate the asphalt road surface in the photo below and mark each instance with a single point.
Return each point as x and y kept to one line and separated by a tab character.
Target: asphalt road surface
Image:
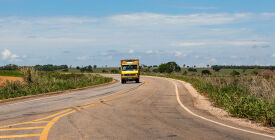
157	108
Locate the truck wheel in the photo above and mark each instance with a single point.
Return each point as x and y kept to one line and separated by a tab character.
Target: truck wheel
122	81
137	81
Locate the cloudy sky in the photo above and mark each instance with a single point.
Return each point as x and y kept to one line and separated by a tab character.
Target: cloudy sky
101	32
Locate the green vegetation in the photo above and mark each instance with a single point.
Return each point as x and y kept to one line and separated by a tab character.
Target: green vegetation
169	67
9	67
11	73
44	82
242	92
51	67
218	67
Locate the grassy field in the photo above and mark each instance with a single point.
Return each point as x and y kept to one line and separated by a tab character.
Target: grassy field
11	73
44	82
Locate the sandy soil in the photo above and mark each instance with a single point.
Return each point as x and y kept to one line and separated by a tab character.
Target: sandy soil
3	79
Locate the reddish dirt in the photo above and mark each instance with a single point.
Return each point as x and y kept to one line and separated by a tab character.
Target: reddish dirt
3	79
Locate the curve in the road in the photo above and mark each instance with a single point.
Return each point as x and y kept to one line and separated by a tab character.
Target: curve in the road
52	119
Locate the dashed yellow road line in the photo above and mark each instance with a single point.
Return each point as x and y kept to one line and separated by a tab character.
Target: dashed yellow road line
19	136
22	128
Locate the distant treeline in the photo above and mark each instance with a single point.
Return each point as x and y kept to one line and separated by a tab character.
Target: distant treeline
51	67
9	67
218	67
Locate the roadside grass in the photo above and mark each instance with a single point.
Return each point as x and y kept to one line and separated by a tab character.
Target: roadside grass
44	82
11	73
251	97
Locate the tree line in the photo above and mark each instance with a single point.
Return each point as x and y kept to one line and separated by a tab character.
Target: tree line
219	67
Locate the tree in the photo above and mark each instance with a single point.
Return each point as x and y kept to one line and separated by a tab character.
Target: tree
205	72
169	67
95	66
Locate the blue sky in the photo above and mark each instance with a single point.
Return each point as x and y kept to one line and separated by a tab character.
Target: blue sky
83	32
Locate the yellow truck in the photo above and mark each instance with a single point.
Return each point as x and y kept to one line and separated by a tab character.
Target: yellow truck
130	70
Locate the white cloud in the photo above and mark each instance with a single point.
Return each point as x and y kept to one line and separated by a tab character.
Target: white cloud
6	54
213	60
149	52
186	19
83	58
9	56
196	56
233	57
179	53
220	43
131	51
42	36
273	55
190	44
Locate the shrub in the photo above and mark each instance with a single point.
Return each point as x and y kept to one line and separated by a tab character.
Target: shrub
205	72
185	72
114	71
192	70
234	73
104	71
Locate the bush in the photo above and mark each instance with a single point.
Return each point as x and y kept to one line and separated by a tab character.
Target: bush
104	71
205	72
192	70
169	67
234	73
255	72
114	71
87	69
185	72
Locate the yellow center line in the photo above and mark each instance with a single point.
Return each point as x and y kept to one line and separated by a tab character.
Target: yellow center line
19	136
44	134
22	128
53	115
57	116
30	122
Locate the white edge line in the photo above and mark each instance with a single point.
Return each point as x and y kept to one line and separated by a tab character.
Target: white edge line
192	113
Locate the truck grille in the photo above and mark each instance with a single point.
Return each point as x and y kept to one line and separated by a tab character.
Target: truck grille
129	74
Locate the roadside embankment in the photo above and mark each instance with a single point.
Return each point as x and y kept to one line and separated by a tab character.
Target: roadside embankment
35	83
243	97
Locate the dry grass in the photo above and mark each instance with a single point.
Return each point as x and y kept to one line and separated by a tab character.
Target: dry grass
258	86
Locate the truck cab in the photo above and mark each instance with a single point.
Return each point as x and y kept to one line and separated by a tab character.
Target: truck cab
130	70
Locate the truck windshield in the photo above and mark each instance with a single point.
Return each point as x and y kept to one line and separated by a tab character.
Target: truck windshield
129	67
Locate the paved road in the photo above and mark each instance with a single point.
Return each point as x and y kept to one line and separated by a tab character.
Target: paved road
148	110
